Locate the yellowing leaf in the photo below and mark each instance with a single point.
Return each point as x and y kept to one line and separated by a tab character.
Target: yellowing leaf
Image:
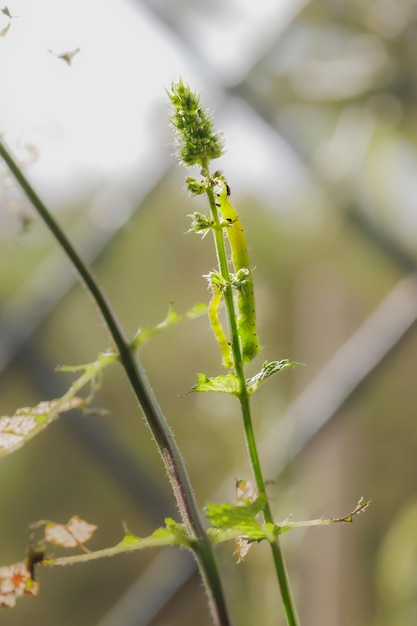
5	30
16	580
28	421
6	12
66	56
71	535
242	548
171	534
361	506
246	492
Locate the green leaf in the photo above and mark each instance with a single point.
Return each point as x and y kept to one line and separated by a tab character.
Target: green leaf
240	519
194	186
267	370
172	318
229	383
200	223
173	533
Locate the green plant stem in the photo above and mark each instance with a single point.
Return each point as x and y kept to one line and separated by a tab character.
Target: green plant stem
277	555
171	456
278	558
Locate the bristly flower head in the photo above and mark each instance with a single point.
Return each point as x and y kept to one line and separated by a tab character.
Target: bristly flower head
197	142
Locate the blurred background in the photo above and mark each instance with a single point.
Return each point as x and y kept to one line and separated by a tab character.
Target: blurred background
317	102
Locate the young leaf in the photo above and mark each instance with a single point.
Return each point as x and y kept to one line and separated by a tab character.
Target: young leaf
173	533
200	223
267	370
226	384
172	318
237	518
194	186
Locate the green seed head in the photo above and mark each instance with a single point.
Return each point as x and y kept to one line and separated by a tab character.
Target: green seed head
197	143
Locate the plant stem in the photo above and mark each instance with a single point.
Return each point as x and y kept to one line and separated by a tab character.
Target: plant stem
251	446
277	555
168	448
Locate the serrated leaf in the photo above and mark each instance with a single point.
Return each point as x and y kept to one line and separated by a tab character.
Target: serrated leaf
229	383
268	369
241	519
173	533
200	223
172	318
129	539
194	186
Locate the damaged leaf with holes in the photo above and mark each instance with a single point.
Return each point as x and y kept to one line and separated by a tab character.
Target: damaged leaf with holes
76	532
15	581
29	421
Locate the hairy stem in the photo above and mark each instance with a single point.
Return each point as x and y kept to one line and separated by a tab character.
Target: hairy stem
277	555
171	456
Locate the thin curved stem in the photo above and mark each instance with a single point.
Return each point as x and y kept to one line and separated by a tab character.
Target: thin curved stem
171	456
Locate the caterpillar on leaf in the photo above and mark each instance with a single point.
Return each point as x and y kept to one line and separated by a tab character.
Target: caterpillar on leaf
213	311
242	279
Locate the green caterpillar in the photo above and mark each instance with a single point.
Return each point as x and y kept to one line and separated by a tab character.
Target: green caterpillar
216	326
242	279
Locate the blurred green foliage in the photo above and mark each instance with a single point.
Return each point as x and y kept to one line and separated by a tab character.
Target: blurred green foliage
339	85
